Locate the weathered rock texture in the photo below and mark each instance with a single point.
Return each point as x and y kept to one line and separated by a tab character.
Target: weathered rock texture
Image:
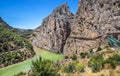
55	29
94	20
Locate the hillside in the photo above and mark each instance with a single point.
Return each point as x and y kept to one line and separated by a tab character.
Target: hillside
22	32
13	47
4	24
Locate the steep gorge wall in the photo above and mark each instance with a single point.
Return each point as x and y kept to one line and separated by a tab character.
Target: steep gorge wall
95	19
64	32
55	29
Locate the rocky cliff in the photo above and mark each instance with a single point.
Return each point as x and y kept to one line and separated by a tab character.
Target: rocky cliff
55	30
94	21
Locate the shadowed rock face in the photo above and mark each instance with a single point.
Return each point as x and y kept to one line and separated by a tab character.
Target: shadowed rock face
63	32
55	29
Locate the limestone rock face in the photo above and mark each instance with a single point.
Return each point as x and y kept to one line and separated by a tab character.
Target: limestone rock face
95	19
55	29
67	33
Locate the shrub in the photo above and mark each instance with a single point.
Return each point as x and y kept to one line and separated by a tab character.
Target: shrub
74	57
96	63
44	68
80	67
83	55
116	58
66	57
70	68
99	49
73	67
91	51
111	62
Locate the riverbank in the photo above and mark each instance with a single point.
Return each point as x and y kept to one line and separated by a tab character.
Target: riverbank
25	66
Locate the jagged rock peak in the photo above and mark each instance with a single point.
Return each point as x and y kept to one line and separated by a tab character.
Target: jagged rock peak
55	29
62	10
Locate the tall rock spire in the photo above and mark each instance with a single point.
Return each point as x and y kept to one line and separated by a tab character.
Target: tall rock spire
55	29
62	10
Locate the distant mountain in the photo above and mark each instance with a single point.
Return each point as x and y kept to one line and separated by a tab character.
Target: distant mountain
13	47
23	32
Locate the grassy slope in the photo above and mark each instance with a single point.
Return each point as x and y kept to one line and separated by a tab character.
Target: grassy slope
26	65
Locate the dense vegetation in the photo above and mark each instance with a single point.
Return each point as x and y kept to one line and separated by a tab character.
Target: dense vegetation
113	60
13	48
10	58
73	67
10	41
98	62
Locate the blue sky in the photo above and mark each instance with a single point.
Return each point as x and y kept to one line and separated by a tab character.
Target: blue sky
28	14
